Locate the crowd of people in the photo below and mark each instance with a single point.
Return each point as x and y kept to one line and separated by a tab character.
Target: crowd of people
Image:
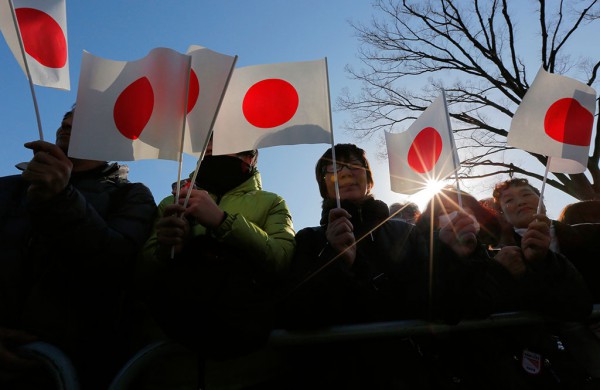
91	265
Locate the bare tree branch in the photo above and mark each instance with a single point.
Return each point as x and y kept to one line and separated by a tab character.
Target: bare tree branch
469	49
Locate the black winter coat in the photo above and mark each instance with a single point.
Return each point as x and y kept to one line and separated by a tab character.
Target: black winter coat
552	286
66	263
581	245
387	281
477	286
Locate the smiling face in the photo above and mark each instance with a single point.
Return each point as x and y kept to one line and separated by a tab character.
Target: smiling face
352	179
519	204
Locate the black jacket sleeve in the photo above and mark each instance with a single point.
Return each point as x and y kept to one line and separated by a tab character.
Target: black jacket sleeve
113	228
554	287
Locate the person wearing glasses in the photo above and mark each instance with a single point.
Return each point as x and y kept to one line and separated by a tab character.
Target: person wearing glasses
358	261
357	266
361	264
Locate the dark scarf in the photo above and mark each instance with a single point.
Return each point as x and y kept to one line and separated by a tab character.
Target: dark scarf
220	174
365	215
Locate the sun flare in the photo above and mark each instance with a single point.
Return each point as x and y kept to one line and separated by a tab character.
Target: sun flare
431	188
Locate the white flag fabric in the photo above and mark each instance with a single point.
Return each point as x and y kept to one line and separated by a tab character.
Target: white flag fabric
275	104
130	110
555	119
424	152
208	79
43	28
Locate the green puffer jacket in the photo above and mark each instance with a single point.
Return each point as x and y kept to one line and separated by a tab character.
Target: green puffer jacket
217	294
258	223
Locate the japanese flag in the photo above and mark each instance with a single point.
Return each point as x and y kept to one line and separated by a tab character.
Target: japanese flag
555	119
276	104
208	80
130	110
43	29
424	152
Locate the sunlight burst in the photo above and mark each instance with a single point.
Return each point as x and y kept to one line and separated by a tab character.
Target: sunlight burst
433	187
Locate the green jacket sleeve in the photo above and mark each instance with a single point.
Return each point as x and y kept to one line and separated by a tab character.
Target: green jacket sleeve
271	246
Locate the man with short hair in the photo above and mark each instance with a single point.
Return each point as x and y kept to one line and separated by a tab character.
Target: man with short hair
69	233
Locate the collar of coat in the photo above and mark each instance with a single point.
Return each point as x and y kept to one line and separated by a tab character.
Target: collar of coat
369	213
252	184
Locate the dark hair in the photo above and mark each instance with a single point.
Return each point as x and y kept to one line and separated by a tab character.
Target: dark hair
504	185
585	211
343	152
486	217
250	153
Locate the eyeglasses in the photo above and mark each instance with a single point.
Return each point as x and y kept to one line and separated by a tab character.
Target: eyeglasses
353	165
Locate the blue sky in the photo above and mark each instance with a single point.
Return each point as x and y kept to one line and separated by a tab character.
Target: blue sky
259	32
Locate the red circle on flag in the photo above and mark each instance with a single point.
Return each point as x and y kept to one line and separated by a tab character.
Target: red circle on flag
270	103
425	150
193	91
134	107
567	121
43	37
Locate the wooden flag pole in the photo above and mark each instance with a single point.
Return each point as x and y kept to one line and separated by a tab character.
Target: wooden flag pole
431	248
541	201
22	47
210	133
335	175
456	163
185	103
180	156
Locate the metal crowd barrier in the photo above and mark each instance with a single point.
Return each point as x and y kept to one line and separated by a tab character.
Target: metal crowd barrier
66	378
55	361
137	363
405	328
